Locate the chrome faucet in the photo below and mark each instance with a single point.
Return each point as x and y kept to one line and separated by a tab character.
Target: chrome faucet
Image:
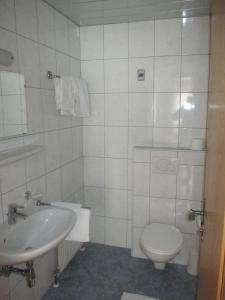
41	203
13	213
37	198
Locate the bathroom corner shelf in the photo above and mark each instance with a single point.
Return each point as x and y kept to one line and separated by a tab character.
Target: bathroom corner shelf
15	154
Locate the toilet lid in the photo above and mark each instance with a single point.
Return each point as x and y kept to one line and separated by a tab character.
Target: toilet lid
162	238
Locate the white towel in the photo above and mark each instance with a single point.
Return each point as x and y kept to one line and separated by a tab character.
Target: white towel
82	106
65	93
71	95
128	296
80	232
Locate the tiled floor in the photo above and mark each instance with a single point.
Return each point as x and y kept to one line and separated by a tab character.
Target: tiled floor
104	273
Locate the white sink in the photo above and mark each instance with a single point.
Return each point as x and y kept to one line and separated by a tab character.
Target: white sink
39	233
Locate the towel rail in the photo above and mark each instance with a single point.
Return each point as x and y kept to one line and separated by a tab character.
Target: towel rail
50	75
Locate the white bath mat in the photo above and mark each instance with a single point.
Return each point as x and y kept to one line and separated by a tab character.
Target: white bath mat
127	296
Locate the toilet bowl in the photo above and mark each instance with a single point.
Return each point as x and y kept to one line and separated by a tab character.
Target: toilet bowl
161	243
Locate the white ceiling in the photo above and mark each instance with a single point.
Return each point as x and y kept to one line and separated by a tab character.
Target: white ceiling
92	12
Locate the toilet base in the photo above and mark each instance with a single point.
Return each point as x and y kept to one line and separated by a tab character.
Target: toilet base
159	265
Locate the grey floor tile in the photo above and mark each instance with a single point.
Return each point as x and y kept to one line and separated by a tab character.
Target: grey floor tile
104	273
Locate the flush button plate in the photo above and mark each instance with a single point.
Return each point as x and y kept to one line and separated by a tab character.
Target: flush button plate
141	74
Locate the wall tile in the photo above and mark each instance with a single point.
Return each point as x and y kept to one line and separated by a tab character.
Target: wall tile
65	139
116	173
78	175
141	179
141	39
116	41
168	37
166	109
162	210
116	76
46	29
93	73
190	183
195	35
139	136
94	171
74	40
97	229
75	67
92	42
116	142
77	142
163	185
7	15
93	141
167	74
35	166
116	203
97	102
30	67
34	110
136	249
52	150
26	18
116	109
62	64
49	112
53	186
194	75
68	180
61	33
193	112
116	232
165	137
141	109
141	155
140	211
95	199
196	158
187	134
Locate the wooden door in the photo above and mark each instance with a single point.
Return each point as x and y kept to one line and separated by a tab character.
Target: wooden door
212	247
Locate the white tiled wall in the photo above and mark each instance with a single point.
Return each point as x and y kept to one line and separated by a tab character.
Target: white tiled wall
41	39
167	109
166	194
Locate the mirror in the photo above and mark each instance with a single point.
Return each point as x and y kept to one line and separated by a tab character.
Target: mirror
13	115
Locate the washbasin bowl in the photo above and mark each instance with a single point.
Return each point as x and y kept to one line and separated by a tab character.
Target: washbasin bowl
36	235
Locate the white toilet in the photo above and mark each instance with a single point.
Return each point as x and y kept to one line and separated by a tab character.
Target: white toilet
161	243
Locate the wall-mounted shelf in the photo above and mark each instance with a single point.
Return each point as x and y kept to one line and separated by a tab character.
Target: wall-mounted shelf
12	155
166	148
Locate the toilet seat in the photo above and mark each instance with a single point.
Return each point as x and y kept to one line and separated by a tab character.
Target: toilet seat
162	239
